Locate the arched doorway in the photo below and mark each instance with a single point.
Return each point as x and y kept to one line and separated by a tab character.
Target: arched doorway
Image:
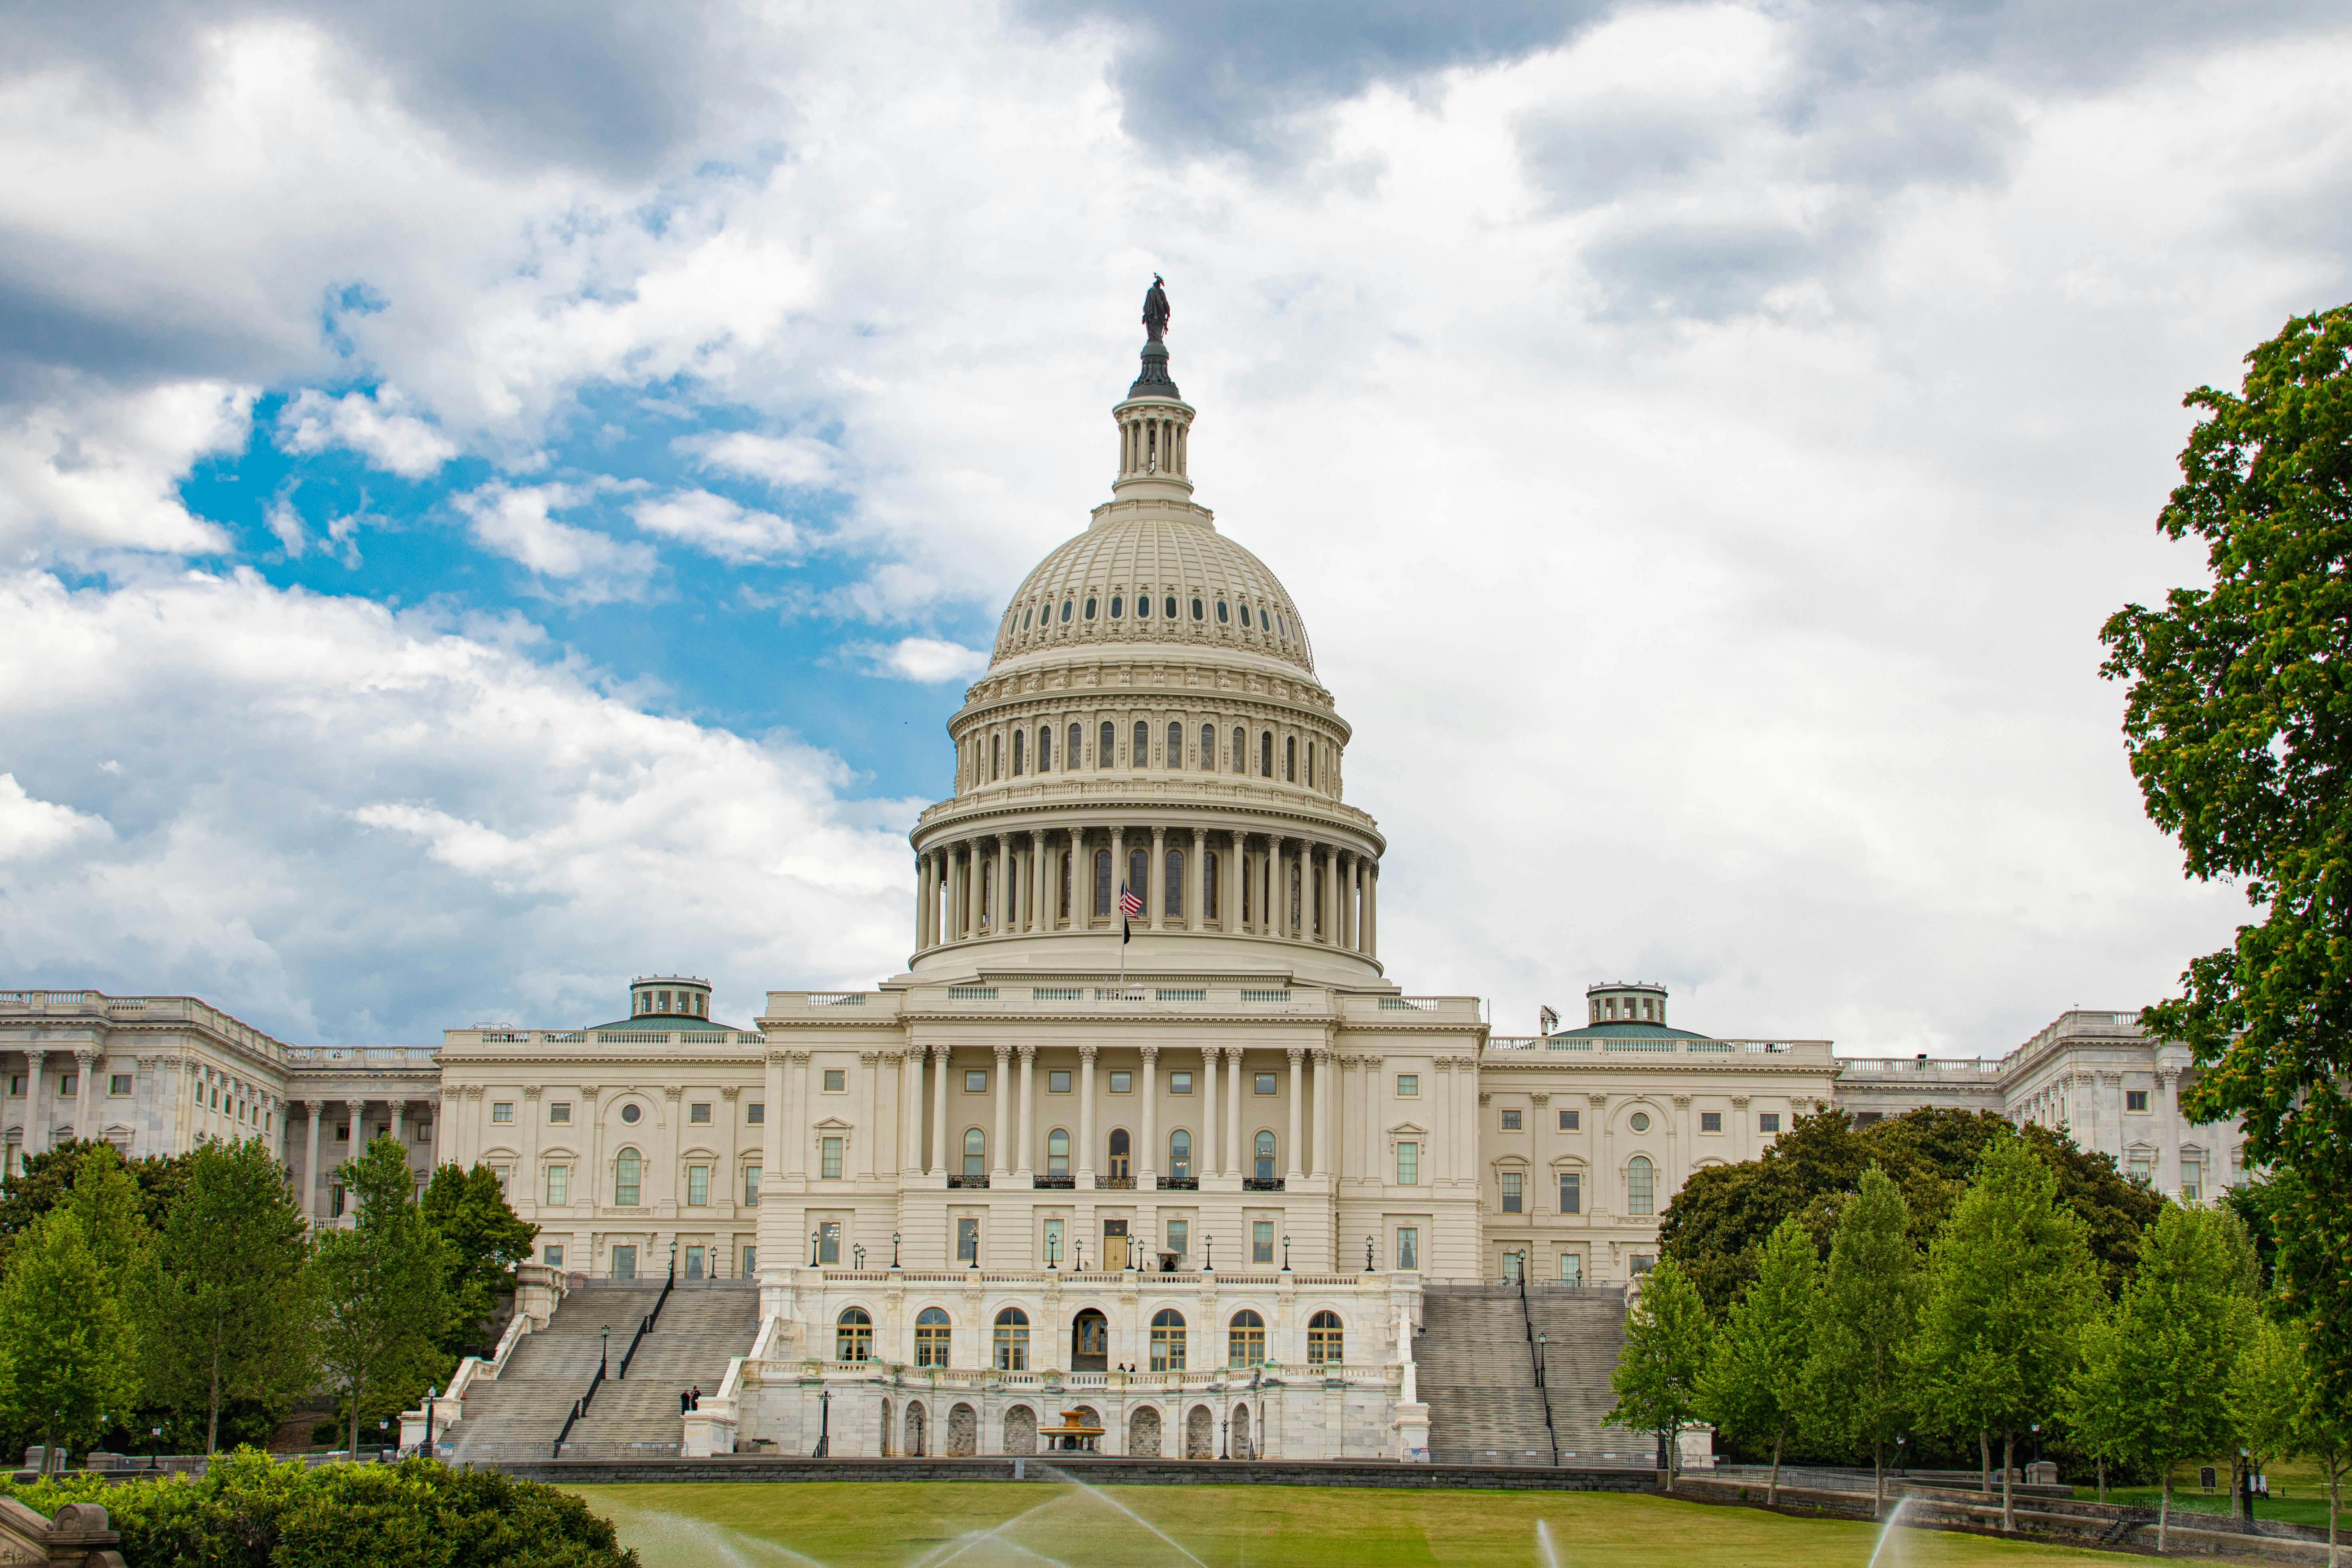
963	1432
914	1429
1201	1434
887	1435
1021	1430
1143	1433
1090	1342
1241	1448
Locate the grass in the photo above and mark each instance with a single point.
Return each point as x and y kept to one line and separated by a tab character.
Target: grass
2298	1494
898	1524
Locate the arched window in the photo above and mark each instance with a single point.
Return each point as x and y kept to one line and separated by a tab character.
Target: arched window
1076	749
1264	1157
1220	612
933	1332
1310	764
995	758
1057	1153
1241	750
1046	750
1090	607
1290	759
1196	609
853	1336
975	1152
1325	1340
1143	607
1109	744
1119	1145
1208	748
1012	1339
1175	895
1175	745
1065	611
1168	607
1641	1186
1167	1341
1266	755
1179	1154
987	890
1117	605
1068	862
1208	885
1138	872
1019	736
1245	1339
1142	757
626	1168
1102	881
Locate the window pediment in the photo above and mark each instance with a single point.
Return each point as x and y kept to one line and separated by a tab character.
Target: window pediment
833	1124
1511	1162
1408	1130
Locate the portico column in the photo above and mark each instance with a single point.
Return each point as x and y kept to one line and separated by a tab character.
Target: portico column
1292	1169
796	1131
1235	1160
399	1124
85	1074
1205	1157
1156	879
939	1110
2168	1136
1319	1162
773	1115
37	1120
355	1112
1196	880
1024	1161
1086	1118
998	1166
310	1160
910	1112
1148	1157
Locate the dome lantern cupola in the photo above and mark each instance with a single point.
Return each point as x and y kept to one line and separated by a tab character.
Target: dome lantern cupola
669	996
1155	423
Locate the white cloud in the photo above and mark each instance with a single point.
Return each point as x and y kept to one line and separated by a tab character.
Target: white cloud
347	825
516	523
713	523
787	462
927	660
87	469
379	428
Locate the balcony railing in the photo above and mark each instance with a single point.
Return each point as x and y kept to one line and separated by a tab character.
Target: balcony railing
1054	1183
967	1182
1261	1184
1179	1184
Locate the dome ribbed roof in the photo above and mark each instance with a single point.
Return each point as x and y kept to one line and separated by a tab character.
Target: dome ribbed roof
1220	591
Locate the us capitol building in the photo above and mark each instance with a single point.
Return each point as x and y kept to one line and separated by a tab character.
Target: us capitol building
1145	1123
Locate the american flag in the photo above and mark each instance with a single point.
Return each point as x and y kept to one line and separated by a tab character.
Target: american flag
1129	905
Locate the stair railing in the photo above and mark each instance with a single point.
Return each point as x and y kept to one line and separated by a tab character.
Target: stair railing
1535	1361
579	1409
646	1324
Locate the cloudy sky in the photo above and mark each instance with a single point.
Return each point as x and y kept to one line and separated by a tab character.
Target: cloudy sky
494	498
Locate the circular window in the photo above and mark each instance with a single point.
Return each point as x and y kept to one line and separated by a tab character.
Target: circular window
630	1113
1142	607
1090	609
1065	609
1196	610
1220	612
1169	609
1640	1121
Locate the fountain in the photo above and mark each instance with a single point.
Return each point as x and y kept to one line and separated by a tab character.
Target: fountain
1544	1546
1098	1495
1886	1532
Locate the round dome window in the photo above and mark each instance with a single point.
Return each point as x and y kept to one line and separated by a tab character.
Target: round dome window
1639	1120
629	1113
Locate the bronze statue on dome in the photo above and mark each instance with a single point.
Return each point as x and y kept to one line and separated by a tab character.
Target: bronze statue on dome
1155	311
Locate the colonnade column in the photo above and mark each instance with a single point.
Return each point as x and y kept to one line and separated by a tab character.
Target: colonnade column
910	1112
1269	922
996	1166
1204	1158
36	1119
1292	1169
939	1110
399	1108
1236	1158
1117	870
1148	1157
1371	908
922	900
1156	879
1331	896
1024	1163
1347	898
1196	880
310	1160
1001	918
1041	904
971	881
1086	1168
1230	917
798	1119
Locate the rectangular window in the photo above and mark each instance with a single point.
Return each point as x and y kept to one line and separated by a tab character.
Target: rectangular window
16	1085
1179	1237
751	1174
967	1241
1408	1086
2134	1100
1263	1083
1408	1164
697	1186
698	1115
694	1255
1179	1083
502	1110
70	1083
1262	1241
1644	1263
830	1167
2193	1181
423	1131
343	1132
751	1262
1510	1122
975	1080
559	1111
1571	1191
1710	1121
828	1242
1511	1197
1572	1120
335	1201
2142	1169
1053	1244
1572	1269
118	1083
1122	1083
836	1081
1409	1246
552	1255
1767	1121
754	1112
1058	1082
558	1184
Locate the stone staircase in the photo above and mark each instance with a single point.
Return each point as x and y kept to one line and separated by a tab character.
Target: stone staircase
702	1327
1585	1331
1478	1379
517	1416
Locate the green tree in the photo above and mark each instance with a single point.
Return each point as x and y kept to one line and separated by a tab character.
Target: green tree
231	1301
2281	1411
28	1193
382	1290
2156	1369
1753	1384
1657	1375
67	1358
2010	1283
486	1241
2238	722
1858	1390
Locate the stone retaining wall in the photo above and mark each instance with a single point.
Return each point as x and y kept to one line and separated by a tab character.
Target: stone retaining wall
1094	1472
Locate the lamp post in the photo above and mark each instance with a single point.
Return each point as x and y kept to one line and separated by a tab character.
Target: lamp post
2246	1486
604	1352
1900	1439
812	1235
1543	1359
1285	1254
1054	1252
1209	1253
894	1249
857	1256
1368	1254
1081	1245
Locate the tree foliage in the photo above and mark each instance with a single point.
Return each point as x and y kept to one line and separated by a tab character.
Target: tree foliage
382	1290
26	1195
1657	1375
486	1241
2238	722
68	1356
1753	1384
1858	1388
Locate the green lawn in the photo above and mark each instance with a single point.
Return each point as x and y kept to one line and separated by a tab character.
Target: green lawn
900	1524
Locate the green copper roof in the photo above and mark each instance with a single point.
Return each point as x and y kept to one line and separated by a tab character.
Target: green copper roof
1625	1027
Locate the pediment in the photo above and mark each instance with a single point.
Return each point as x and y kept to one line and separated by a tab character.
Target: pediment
834	1124
1408	1130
